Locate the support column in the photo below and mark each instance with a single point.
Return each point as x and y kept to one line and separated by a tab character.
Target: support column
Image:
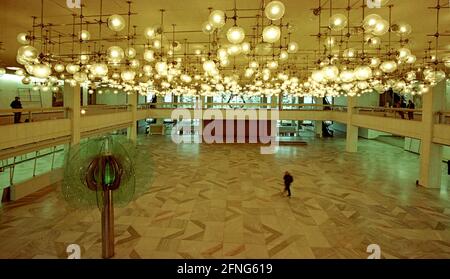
132	102
274	102
431	153
352	131
318	125
72	101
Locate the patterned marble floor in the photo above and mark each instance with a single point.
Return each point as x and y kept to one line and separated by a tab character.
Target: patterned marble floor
224	201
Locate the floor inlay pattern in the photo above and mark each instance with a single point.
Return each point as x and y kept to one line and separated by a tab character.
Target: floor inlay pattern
224	201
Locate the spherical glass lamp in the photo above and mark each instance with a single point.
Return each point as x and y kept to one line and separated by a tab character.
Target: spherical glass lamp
207	28
275	10
272	65
347	76
130	52
370	22
284	55
349	53
254	65
134	63
373	42
25	80
338	22
128	75
271	34
330	72
217	18
208	66
293	47
236	35
318	76
72	68
149	55
161	67
363	73
234	50
22	38
115	53
41	71
28	53
402	29
222	53
116	23
99	69
84	35
150	33
375	62
80	77
381	28
389	66
403	54
246	48
411	59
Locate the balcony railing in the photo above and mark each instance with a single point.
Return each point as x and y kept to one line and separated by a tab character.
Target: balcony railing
103	109
443	117
396	113
31	115
245	106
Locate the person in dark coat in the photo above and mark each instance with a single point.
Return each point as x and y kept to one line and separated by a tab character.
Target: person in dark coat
288	179
16	104
411	105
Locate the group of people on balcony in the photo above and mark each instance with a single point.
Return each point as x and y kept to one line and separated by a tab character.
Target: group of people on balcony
401	104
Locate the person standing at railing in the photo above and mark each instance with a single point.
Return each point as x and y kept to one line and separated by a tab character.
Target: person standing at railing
16	104
411	106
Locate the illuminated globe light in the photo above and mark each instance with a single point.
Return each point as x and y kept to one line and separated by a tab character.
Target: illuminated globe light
292	47
99	69
186	78
41	71
254	65
236	35
363	73
224	62
399	86
84	58
246	48
284	55
347	76
147	68
435	76
72	68
362	85
375	62
338	22
373	42
403	54
275	10
149	55
157	44
116	23
330	42
378	73
22	38
411	59
115	53
150	33
115	75
209	66
272	65
128	75
381	28
130	52
84	35
330	73
28	53
217	19
222	53
349	53
402	29
80	77
249	72
318	76
234	50
271	34
20	72
389	66
134	64
371	21
161	68
207	28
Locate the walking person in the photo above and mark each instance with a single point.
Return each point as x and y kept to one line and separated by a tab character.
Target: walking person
16	104
411	105
288	179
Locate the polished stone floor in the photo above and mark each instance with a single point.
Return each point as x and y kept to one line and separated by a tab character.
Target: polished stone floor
224	201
